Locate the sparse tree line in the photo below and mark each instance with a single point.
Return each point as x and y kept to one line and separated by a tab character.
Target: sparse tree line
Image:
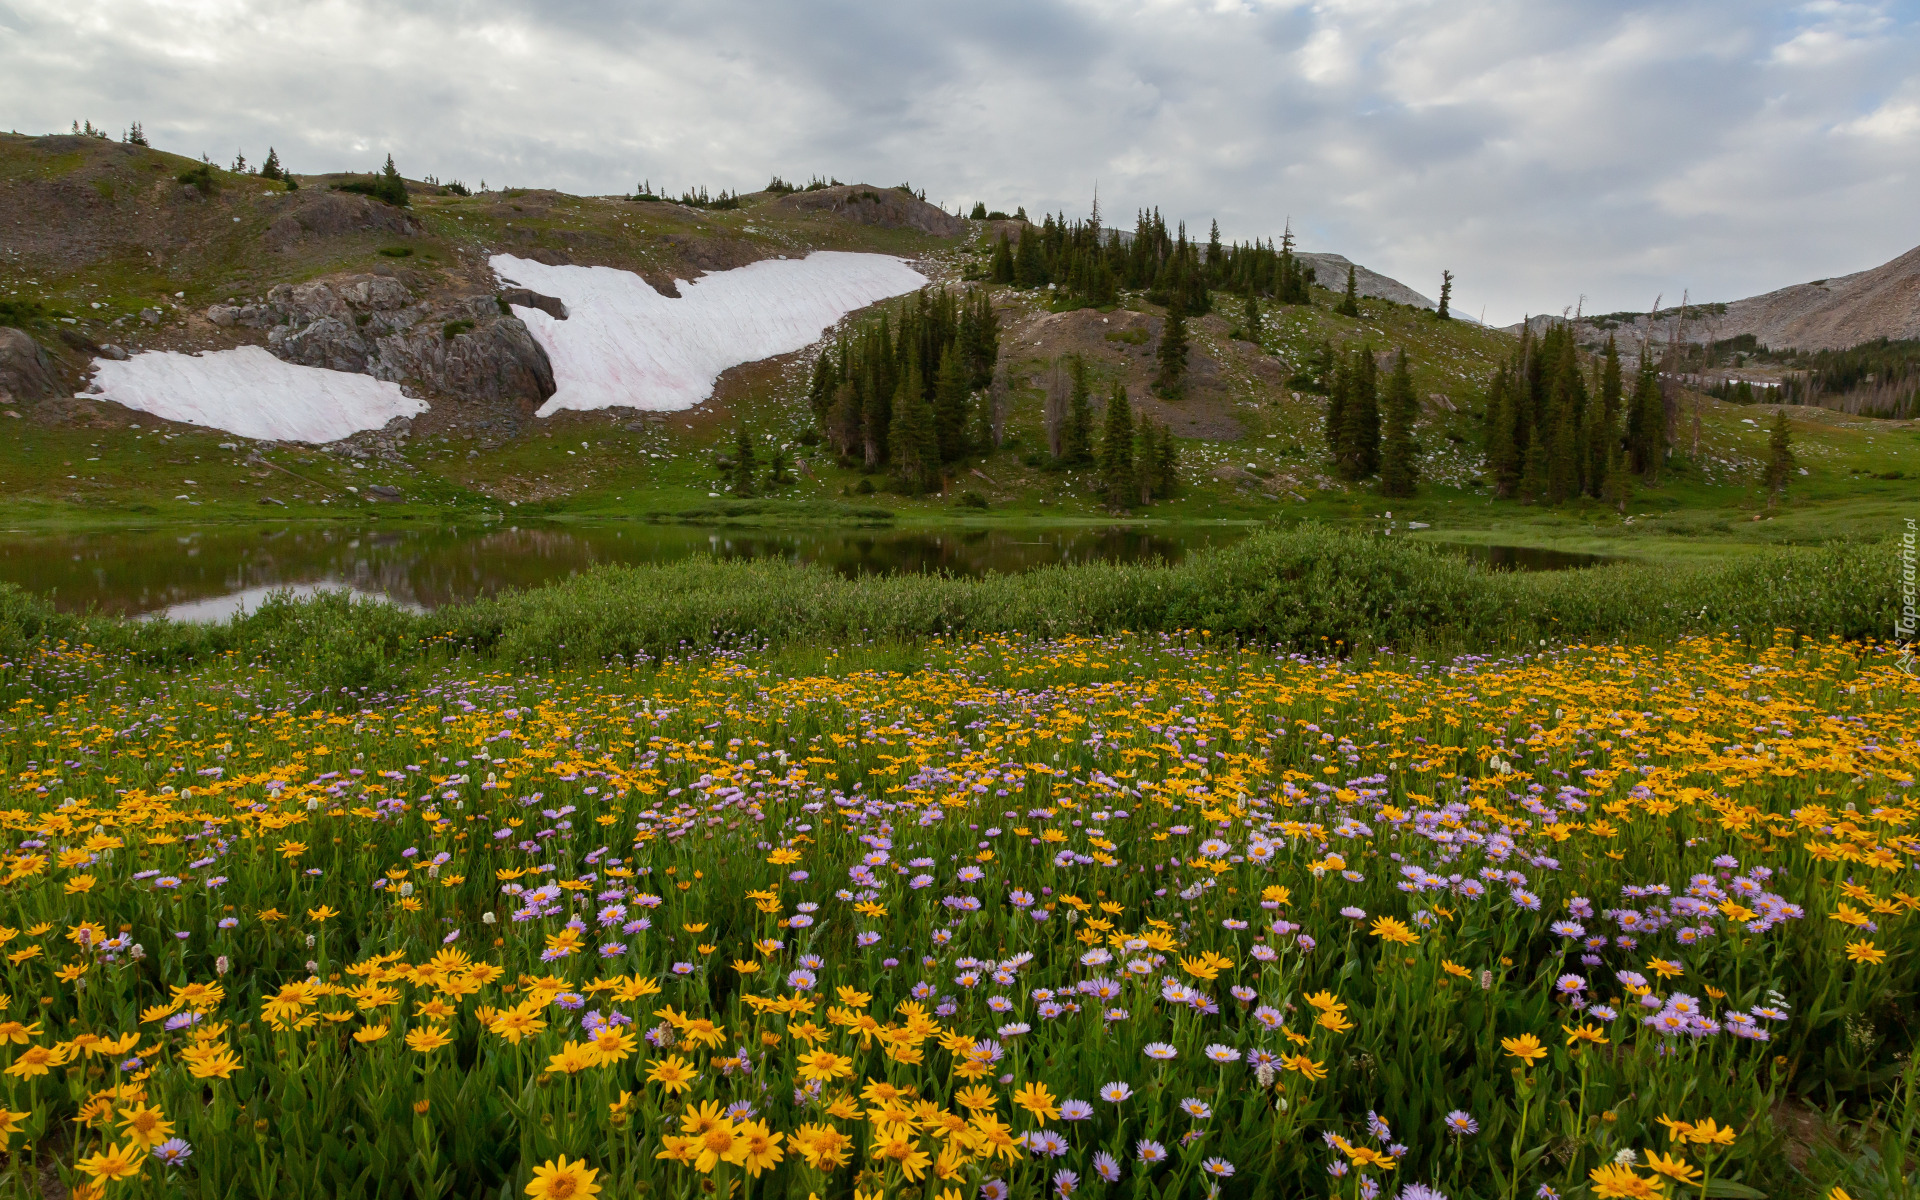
1369	432
1559	428
1134	454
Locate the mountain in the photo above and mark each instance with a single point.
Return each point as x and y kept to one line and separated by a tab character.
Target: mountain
1330	271
1826	314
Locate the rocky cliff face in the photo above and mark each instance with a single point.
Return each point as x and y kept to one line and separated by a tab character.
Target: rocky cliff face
26	373
461	348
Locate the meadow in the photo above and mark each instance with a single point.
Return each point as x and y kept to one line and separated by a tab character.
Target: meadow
1076	911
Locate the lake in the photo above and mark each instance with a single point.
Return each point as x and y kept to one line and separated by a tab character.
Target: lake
208	574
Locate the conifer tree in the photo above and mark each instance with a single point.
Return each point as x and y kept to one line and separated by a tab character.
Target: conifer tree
271	169
1780	459
743	464
1002	270
390	186
1116	450
979	212
951	401
1350	302
1604	431
1334	429
1359	453
1398	470
1618	488
1028	270
1166	465
1076	446
1250	319
1533	475
912	439
777	474
1503	447
1446	296
1144	451
823	384
843	419
876	417
1171	378
1647	422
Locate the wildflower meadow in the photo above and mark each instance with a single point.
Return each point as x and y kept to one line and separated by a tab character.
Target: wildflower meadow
1131	916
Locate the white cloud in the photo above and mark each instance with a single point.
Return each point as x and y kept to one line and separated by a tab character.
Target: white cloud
1540	148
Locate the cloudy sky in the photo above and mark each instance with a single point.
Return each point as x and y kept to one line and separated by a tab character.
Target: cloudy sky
1544	150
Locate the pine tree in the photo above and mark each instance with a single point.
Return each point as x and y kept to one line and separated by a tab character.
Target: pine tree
1215	259
390	186
1359	453
1171	379
777	474
1446	296
1533	475
843	419
1398	470
1780	459
1116	450
1166	465
914	442
1350	302
1597	440
1250	319
1618	489
1028	270
1647	422
1076	446
271	169
743	465
136	136
951	400
876	417
1503	447
1002	270
1144	448
1334	428
1604	430
239	166
825	381
979	212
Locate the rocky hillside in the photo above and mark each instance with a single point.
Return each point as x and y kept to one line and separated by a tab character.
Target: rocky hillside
108	249
1826	314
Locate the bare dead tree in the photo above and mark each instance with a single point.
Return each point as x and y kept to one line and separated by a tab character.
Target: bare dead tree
1058	385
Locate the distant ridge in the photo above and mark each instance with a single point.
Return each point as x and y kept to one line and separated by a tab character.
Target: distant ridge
1826	314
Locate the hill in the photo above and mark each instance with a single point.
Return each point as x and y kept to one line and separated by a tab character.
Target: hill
1826	314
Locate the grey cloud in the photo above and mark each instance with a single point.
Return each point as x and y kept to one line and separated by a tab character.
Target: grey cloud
1542	149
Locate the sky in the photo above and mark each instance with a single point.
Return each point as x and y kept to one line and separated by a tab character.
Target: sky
1549	153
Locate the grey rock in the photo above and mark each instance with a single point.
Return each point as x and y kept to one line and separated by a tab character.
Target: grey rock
224	315
26	373
151	316
381	491
117	353
528	298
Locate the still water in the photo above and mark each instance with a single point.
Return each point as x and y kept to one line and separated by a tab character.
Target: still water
210	574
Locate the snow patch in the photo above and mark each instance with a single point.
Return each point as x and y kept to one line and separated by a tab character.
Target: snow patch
625	345
250	392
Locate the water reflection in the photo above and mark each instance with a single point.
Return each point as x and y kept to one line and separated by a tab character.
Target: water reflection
207	574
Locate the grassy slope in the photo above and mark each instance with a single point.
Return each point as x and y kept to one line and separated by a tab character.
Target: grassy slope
590	465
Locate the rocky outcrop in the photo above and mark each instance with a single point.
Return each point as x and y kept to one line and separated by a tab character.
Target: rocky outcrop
460	348
888	208
1330	271
26	373
320	214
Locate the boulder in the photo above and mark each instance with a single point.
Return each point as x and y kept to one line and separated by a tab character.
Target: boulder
26	373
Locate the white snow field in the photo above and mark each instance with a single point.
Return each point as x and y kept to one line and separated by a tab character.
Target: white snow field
250	392
624	344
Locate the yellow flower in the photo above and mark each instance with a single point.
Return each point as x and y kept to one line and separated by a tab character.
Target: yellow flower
115	1162
612	1044
673	1073
146	1126
211	1061
1036	1099
371	1033
1675	1168
760	1147
824	1065
1590	1034
1396	932
1617	1181
35	1061
10	1124
1526	1048
573	1058
1866	953
1706	1133
427	1039
563	1180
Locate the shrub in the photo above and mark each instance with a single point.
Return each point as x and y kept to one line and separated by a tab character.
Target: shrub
970	499
396	251
453	329
199	178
